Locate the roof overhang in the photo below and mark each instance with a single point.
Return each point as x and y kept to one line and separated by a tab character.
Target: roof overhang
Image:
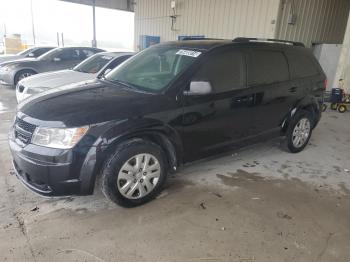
125	5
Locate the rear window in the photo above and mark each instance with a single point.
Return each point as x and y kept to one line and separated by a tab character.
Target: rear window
267	67
301	65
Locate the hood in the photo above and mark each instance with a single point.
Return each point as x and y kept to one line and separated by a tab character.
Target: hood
88	103
42	82
6	58
19	61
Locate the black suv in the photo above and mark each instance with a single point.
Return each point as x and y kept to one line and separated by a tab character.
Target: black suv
170	104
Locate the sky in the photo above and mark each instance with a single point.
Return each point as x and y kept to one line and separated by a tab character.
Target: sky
114	28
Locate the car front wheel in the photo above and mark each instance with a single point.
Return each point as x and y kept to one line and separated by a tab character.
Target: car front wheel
134	174
23	74
299	131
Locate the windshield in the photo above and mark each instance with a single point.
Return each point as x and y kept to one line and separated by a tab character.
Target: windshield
25	52
93	64
51	54
154	68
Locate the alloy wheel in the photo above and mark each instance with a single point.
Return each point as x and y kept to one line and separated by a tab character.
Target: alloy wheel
301	132
24	75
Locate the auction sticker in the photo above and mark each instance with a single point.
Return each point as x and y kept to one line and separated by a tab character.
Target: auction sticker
188	53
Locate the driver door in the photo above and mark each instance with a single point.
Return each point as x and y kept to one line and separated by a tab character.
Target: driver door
215	120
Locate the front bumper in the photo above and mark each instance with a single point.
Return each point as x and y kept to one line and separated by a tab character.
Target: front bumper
6	78
51	171
44	177
20	96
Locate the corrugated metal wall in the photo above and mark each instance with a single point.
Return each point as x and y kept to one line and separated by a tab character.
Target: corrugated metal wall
212	18
322	21
318	21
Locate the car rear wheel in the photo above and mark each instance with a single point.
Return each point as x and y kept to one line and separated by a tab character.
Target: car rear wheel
134	174
299	131
23	74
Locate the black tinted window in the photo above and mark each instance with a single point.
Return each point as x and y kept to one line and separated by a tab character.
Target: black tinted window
301	65
267	67
223	70
87	52
40	51
117	62
69	54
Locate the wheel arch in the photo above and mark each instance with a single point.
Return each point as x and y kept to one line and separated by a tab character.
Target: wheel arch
23	69
164	136
310	104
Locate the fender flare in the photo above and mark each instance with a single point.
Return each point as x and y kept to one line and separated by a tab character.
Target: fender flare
22	69
309	103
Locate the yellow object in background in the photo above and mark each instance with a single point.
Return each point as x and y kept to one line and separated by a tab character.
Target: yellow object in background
13	44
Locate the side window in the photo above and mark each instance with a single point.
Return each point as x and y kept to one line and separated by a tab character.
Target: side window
117	62
40	51
267	67
224	70
87	52
301	65
69	54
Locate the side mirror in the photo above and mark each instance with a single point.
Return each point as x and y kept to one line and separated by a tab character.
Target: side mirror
199	88
57	59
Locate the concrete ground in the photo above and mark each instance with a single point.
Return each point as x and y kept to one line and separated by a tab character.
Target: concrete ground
258	204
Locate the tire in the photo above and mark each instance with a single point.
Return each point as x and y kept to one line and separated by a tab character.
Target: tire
342	108
124	179
23	74
299	131
334	106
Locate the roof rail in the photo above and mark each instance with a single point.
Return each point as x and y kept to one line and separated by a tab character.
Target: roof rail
246	39
199	38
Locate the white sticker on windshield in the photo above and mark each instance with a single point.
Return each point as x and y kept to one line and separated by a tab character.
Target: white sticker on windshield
188	53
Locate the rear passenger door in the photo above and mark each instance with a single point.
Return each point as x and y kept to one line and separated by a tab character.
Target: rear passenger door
269	81
305	73
68	58
217	119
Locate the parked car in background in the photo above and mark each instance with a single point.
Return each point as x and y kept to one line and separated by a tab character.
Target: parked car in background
59	58
170	104
92	67
33	52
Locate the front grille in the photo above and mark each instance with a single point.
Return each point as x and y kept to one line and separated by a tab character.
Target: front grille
24	130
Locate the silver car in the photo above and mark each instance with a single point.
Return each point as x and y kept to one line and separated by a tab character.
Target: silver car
33	52
59	58
95	66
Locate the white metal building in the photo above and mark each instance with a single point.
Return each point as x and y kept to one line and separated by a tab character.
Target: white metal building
308	21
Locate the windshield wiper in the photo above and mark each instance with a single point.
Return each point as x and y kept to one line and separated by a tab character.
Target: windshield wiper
79	70
121	83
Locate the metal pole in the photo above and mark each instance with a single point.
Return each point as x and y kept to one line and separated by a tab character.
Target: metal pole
31	11
62	41
94	42
58	39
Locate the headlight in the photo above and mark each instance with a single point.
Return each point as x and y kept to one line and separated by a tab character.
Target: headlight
62	138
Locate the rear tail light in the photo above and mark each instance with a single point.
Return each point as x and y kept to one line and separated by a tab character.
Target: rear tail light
325	83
